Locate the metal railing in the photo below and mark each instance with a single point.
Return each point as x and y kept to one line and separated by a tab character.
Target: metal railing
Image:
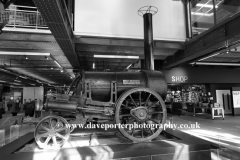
23	17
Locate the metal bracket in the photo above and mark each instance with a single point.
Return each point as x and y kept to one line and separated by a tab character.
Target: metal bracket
87	92
113	91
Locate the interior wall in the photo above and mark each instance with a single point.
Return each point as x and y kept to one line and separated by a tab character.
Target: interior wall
236	98
119	18
33	93
202	75
214	87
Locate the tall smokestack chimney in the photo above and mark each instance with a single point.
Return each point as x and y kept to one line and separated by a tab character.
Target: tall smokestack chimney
147	13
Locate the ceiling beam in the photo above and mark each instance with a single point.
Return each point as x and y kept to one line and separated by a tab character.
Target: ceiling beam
32	37
127	42
58	20
88	55
119	50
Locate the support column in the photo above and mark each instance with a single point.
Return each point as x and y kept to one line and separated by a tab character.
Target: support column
1	92
148	42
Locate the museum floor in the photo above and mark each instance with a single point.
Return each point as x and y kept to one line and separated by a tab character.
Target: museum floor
222	133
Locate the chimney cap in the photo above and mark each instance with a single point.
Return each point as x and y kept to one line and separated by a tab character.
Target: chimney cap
147	9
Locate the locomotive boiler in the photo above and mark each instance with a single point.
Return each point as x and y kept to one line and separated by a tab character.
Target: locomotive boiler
121	98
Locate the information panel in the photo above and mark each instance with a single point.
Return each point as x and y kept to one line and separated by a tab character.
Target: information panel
236	99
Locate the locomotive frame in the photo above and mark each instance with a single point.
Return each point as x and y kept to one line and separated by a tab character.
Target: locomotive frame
141	106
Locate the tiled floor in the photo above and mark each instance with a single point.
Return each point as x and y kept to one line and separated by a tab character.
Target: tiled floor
223	132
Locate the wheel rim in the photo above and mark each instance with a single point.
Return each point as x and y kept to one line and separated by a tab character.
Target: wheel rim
140	106
51	132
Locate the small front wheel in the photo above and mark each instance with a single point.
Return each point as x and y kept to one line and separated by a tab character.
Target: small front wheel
52	132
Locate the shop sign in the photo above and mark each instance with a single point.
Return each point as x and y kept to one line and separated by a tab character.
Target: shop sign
179	79
236	99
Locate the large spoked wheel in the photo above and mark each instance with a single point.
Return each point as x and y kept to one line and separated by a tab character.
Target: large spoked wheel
52	132
140	114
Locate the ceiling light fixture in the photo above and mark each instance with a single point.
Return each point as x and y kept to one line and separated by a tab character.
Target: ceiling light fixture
202	14
93	66
61	71
216	64
129	66
209	56
46	57
116	56
4	70
24	53
206	5
58	64
26	57
17	81
16	84
23	77
51	68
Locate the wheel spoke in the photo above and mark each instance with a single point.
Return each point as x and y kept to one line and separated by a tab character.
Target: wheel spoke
50	122
124	105
133	131
47	140
151	130
133	101
153	120
147	99
38	136
55	141
139	98
60	136
45	128
125	115
58	122
60	129
153	104
154	112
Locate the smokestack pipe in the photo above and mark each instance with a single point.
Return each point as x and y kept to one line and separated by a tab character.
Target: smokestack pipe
148	42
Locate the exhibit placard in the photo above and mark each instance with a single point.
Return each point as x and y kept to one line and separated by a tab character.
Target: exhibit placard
131	81
236	99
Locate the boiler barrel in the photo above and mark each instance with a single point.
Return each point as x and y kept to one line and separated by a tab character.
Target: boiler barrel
101	83
61	106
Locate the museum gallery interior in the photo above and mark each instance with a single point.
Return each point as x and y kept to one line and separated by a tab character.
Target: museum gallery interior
120	80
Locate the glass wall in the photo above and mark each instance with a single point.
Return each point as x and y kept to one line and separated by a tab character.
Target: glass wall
204	15
226	9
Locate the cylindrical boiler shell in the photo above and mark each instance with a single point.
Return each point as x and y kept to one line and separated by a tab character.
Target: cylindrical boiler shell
61	106
101	82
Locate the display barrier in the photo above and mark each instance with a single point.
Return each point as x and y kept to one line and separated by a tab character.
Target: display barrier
14	132
2	137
